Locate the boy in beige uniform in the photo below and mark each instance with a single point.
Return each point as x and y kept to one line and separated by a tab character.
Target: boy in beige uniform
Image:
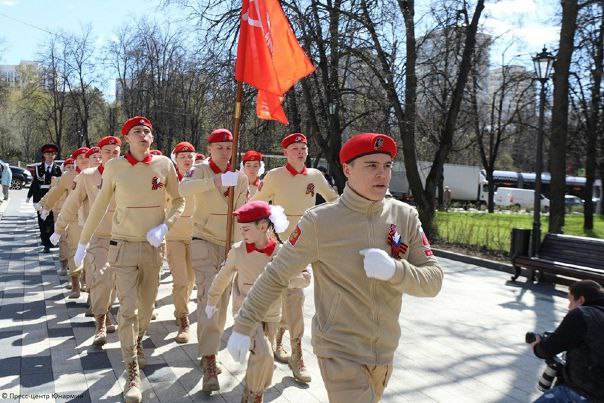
141	184
178	246
294	187
68	165
366	252
248	259
64	187
101	279
253	167
208	184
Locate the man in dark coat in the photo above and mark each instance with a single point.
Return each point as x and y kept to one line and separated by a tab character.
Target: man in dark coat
39	187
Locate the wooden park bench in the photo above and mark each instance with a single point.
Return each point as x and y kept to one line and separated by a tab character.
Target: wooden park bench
569	256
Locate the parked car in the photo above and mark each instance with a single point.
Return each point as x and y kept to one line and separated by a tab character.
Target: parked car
21	177
571	201
519	198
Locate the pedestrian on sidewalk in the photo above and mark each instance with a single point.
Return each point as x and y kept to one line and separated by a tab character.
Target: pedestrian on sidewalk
366	252
6	178
259	225
142	185
208	183
178	246
40	185
294	187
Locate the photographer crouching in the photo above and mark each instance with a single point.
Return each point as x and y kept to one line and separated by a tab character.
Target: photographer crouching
581	335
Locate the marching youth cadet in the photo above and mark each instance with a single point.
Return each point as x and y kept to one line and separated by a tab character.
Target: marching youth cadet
366	252
63	188
178	246
68	166
253	167
40	185
141	184
101	280
294	187
208	183
248	258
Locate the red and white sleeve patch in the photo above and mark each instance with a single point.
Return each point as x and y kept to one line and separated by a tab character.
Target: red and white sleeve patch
295	235
427	250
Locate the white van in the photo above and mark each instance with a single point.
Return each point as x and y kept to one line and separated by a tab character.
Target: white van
520	198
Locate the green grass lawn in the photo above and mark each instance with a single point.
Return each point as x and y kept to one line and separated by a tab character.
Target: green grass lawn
492	231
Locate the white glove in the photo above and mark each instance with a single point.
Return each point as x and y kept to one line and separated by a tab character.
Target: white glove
55	238
229	178
378	264
44	214
238	346
156	235
37	206
28	199
78	258
210	311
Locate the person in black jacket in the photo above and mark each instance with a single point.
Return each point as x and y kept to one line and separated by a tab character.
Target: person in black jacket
39	187
581	335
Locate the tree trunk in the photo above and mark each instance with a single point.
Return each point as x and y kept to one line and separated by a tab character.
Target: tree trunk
560	116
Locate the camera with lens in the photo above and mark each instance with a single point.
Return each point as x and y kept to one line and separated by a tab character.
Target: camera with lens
552	373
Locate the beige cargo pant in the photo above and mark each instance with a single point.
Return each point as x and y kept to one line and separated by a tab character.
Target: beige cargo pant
183	278
292	309
350	382
73	237
100	276
136	266
63	248
207	259
260	364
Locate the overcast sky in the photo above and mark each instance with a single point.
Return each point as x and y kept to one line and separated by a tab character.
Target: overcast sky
525	24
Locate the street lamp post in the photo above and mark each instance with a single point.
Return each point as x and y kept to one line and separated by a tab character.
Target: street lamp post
543	63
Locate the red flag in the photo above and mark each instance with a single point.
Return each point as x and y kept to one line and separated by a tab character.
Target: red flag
269	56
268	107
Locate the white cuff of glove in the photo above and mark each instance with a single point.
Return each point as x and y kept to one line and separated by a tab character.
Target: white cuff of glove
210	311
78	258
44	214
238	346
55	238
37	206
229	178
156	235
378	264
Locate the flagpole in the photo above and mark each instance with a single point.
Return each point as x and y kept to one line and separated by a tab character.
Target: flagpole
234	155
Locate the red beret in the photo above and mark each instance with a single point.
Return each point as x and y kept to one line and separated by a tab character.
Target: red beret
293	138
220	136
49	148
200	156
109	140
155	152
68	161
251	155
79	151
183	147
365	144
92	150
253	211
136	121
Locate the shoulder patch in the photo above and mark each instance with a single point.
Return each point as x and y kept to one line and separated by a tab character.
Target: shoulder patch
427	249
295	235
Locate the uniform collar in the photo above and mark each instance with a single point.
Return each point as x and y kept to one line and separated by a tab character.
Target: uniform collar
78	170
267	250
256	182
133	161
179	175
355	201
293	171
216	169
100	168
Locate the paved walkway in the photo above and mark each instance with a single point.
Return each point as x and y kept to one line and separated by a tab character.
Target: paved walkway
466	345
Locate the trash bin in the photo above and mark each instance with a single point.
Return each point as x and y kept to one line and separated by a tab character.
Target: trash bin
521	239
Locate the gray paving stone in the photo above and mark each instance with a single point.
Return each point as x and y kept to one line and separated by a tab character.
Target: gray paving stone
466	345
